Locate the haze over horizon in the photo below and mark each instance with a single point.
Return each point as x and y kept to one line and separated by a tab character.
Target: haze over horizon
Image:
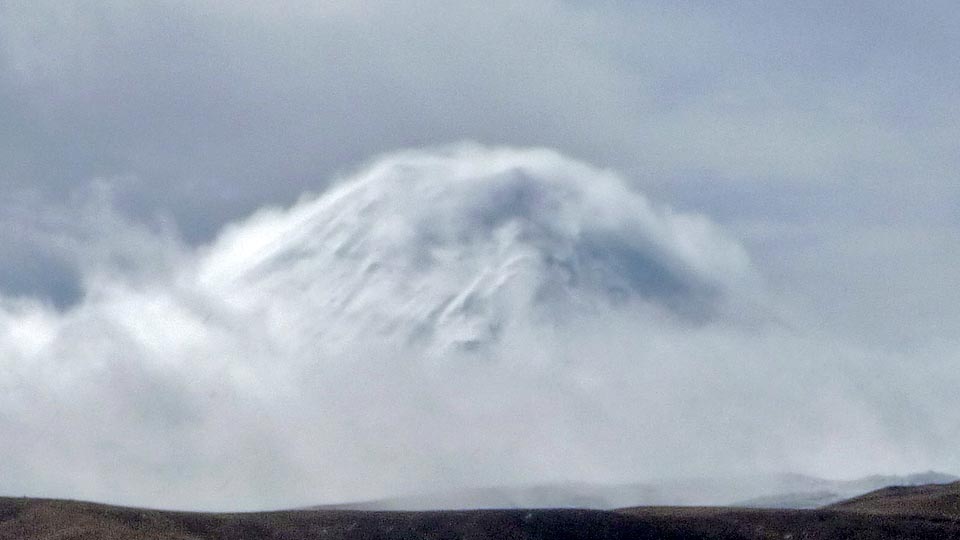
260	257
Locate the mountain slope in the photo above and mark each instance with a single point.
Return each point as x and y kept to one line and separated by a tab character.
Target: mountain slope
818	492
940	501
455	249
37	519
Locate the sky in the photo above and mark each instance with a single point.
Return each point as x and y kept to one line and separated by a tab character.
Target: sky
685	238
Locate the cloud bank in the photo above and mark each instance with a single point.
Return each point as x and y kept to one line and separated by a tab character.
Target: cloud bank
466	316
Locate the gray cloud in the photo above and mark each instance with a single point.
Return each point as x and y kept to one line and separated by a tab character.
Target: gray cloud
36	267
217	110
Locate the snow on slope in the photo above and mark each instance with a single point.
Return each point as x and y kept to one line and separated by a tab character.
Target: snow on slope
453	249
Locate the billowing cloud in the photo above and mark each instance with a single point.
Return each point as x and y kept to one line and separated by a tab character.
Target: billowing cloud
178	328
465	316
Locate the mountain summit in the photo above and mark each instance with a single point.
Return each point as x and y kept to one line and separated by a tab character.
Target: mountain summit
454	249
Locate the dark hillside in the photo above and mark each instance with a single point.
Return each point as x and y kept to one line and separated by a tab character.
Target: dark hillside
927	512
940	501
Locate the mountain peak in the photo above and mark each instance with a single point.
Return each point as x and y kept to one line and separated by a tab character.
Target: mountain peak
456	247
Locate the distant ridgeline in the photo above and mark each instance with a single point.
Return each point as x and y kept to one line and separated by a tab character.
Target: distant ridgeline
760	491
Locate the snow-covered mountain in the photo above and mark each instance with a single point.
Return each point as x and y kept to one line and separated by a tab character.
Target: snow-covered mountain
454	249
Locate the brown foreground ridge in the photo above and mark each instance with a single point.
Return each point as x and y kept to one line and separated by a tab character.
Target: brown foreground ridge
903	513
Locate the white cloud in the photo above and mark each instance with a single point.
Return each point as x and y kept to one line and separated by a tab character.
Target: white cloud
462	316
223	369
